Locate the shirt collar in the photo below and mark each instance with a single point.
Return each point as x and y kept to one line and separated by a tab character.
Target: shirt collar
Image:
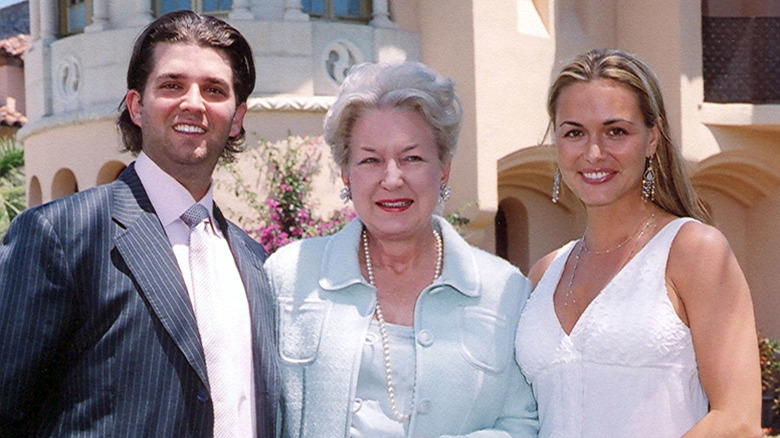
341	267
169	198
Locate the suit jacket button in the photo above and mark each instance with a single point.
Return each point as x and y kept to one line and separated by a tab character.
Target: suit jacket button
203	396
424	406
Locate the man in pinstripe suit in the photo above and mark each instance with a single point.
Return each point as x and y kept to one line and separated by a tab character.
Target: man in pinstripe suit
98	336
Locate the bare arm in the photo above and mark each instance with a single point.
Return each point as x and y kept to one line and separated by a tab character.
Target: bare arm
716	304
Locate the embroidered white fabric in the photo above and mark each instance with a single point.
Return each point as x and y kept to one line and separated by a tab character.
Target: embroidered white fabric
627	369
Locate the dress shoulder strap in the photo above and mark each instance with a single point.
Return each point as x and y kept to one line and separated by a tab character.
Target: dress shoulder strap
554	271
666	236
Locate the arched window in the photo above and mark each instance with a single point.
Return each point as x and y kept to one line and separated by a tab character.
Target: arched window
218	8
345	10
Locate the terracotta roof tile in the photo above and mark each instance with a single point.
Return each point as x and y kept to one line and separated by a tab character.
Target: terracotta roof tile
15	45
11	117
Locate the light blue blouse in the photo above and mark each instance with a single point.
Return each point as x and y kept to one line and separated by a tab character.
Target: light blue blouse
371	413
468	383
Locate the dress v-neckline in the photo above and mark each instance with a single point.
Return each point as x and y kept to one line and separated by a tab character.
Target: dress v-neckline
603	289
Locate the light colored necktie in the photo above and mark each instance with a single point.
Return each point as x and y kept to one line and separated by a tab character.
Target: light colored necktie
207	303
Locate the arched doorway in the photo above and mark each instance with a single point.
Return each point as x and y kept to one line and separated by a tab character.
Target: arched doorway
64	184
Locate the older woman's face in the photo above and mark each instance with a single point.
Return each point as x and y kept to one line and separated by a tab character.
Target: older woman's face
394	172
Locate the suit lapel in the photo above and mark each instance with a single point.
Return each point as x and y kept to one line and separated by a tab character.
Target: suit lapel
250	267
146	250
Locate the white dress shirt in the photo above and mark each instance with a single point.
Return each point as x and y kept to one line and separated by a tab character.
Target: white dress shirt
170	200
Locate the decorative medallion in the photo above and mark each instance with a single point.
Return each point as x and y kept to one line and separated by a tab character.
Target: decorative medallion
340	56
69	77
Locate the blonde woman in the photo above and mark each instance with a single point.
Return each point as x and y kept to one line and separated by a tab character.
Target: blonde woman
644	326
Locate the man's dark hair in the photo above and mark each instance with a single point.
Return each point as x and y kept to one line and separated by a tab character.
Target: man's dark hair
187	27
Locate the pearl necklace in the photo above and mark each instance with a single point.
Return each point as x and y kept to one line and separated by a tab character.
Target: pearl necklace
383	326
570	293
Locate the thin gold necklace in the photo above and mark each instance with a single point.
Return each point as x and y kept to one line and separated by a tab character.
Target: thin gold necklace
620	245
383	326
569	297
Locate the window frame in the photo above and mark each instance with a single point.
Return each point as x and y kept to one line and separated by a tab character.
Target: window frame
64	17
329	14
195	5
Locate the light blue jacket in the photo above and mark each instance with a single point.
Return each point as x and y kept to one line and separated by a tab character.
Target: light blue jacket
468	383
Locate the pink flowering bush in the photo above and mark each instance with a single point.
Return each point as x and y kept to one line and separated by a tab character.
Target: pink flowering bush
286	213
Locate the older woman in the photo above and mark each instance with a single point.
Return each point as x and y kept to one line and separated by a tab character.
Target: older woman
395	326
644	326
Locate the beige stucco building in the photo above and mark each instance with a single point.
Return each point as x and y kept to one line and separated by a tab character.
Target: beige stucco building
502	55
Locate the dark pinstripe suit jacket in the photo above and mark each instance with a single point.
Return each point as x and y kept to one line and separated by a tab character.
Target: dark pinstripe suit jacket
97	334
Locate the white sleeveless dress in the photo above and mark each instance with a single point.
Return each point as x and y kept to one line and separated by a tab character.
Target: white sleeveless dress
627	369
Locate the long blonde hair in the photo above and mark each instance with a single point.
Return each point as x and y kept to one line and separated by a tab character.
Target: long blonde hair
674	191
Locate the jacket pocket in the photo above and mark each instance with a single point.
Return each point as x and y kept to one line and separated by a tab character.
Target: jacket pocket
300	326
486	338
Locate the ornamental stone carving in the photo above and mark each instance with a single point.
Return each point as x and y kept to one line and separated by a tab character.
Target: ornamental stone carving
317	104
69	77
339	57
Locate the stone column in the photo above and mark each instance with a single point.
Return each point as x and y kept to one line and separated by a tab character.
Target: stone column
241	11
143	13
48	20
99	16
293	11
44	29
381	15
35	19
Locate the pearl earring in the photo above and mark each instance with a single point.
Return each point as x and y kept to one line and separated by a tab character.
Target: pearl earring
345	194
444	193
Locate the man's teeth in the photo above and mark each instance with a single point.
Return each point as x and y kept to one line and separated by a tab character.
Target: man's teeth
189	129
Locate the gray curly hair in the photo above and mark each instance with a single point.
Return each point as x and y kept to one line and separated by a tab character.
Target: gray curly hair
410	85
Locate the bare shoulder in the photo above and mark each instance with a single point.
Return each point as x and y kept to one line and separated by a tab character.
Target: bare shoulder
702	261
697	242
539	268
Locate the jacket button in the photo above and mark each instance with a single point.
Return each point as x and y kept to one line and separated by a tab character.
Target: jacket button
356	405
424	406
425	338
203	396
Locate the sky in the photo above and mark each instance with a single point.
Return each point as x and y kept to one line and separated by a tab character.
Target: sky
4	3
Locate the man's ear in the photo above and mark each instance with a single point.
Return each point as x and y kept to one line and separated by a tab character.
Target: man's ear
134	106
238	120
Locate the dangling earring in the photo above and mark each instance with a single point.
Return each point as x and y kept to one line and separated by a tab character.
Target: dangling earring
444	193
648	181
345	194
556	191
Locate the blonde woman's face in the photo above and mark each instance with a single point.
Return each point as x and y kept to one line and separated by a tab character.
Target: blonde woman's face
602	141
